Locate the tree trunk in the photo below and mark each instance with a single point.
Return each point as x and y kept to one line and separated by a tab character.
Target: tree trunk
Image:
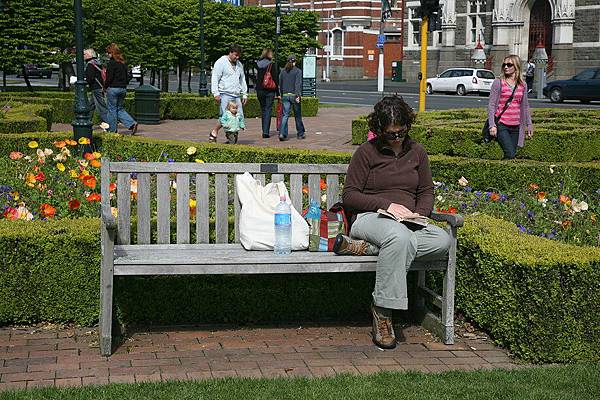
179	78
26	77
153	77
165	80
190	79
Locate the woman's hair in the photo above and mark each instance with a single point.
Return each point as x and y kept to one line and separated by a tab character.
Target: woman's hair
91	52
266	53
516	60
391	110
116	53
289	65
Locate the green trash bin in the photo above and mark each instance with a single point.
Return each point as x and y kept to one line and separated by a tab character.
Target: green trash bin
147	105
397	71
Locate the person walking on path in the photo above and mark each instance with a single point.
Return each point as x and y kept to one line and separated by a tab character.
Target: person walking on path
228	83
529	74
290	88
390	172
116	89
95	81
508	108
266	94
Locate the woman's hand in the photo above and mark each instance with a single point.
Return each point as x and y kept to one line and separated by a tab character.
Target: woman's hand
529	133
494	131
400	211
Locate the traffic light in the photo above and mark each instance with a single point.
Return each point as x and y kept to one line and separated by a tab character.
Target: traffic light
386	9
428	7
435	20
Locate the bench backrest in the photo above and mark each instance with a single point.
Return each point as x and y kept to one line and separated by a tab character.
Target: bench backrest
140	181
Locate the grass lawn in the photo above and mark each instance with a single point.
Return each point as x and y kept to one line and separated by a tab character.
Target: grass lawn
572	382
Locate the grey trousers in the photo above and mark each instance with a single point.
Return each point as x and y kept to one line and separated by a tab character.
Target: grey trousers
398	247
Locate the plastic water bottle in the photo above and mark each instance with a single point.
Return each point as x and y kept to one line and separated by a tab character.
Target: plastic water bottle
283	228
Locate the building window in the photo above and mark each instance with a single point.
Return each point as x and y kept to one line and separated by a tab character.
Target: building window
475	21
337	44
414	37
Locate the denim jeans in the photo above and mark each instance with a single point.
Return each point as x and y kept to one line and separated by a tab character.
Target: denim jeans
116	109
398	247
508	138
266	98
288	102
98	103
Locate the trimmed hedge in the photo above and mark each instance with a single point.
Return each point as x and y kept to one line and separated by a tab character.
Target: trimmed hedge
501	176
26	118
537	297
559	135
172	105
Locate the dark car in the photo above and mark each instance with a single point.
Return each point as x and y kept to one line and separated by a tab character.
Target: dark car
34	70
585	86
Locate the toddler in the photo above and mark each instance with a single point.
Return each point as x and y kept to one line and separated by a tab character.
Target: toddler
232	122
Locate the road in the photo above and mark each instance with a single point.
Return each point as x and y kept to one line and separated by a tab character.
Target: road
363	93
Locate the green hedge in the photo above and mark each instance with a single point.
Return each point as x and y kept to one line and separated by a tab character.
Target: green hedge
172	105
559	135
26	118
536	296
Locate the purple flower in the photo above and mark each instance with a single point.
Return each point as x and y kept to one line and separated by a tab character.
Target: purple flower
522	205
463	206
4	189
478	193
530	214
470	189
503	197
132	159
170	160
133	175
488	194
522	228
165	155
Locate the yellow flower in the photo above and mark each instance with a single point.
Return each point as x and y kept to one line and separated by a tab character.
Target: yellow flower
84	140
33	144
74	174
30	180
97	155
192	203
191	150
60	167
15	195
199	161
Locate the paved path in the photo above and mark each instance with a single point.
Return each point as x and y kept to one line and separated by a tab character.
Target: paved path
331	129
35	357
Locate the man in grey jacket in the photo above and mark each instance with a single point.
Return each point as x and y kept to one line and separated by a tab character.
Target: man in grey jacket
228	83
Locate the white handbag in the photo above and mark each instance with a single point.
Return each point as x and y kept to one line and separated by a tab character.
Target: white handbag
256	220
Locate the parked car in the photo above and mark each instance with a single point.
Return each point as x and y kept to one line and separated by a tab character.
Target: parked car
34	70
462	81
136	73
585	86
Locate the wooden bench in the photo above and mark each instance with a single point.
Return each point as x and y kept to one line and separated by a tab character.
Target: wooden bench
193	252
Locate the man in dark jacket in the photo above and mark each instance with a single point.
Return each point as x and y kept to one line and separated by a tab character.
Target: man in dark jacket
93	77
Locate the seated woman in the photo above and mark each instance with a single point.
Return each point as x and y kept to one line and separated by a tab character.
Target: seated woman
390	172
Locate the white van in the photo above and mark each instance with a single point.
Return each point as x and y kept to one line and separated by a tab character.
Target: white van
462	81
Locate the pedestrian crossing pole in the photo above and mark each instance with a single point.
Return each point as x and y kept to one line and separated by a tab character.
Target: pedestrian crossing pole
423	73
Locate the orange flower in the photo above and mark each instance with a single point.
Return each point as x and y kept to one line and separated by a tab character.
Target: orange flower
495	197
89	181
95	163
563	199
47	210
323	184
93	197
534	186
60	144
15	155
88	156
112	187
11	214
40	177
74	204
541	195
567	223
305	189
70	142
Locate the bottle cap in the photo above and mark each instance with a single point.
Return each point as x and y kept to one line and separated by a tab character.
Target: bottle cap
282	197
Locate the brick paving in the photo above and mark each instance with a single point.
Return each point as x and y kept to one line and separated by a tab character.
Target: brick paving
331	129
49	356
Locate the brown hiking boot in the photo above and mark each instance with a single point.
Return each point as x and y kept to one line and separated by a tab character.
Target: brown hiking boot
345	246
383	332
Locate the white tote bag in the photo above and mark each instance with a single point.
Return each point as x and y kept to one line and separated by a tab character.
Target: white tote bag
256	220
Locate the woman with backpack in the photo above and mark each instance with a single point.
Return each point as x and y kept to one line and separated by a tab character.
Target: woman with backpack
94	76
266	88
116	89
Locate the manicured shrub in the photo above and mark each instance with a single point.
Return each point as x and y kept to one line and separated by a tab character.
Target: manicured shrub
26	118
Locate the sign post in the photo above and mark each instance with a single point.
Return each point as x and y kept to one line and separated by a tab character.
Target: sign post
309	76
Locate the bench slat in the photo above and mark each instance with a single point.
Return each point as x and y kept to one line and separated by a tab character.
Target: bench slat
124	207
277	178
143	208
333	190
163	208
202	205
314	188
260	178
221	206
296	191
183	208
234	168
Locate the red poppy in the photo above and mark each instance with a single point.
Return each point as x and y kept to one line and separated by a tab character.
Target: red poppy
534	186
93	197
74	204
88	156
40	177
495	197
47	210
112	187
89	181
323	184
11	213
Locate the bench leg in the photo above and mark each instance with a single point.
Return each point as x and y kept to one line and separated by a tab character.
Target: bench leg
448	292
420	309
106	292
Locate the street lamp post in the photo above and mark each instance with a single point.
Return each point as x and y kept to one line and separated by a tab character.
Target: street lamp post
82	126
202	89
277	30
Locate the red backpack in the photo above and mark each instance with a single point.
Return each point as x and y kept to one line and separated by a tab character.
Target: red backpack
102	72
268	82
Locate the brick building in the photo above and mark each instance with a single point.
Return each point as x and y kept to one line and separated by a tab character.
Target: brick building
570	30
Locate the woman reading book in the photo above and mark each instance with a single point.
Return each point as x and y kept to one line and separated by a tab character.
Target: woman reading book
390	174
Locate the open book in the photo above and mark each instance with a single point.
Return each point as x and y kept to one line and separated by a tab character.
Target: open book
419	221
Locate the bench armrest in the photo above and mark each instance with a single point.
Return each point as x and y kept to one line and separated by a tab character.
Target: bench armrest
455	220
109	221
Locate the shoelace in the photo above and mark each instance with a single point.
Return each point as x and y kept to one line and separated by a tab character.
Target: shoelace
384	325
357	247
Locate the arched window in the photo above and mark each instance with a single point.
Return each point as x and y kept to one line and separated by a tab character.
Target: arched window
337	44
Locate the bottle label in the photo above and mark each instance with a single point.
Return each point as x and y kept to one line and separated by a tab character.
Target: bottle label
283	219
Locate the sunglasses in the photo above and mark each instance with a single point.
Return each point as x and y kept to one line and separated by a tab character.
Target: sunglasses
397	135
508	65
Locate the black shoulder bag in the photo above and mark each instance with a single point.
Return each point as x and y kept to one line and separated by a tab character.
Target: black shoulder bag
486	127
